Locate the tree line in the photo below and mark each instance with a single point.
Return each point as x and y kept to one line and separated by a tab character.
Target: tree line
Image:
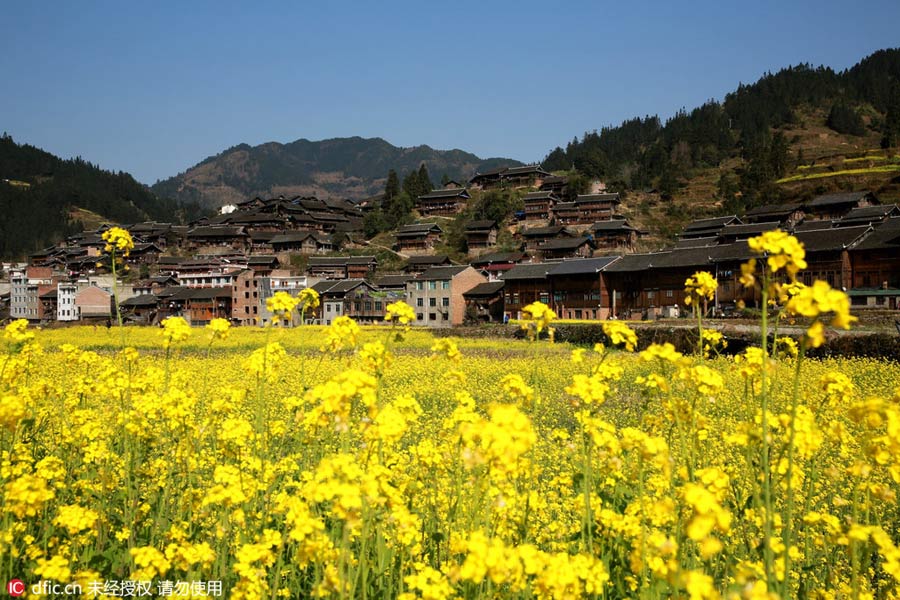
644	153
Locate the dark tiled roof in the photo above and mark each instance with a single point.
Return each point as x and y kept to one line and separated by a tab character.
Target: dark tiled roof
525	170
584	198
814	225
714	222
428	259
581	266
697	242
885	237
831	239
343	286
869	214
217	232
445	193
417	230
748	229
331	261
484	290
836	199
684	257
262	260
615	225
481	225
437	273
773	210
388	281
564	243
630	263
544	231
539	195
145	300
499	257
529	271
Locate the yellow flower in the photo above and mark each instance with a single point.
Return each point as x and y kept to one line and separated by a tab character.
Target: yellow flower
620	333
118	239
817	299
281	304
700	285
218	329
448	348
783	251
76	518
309	299
401	312
342	333
748	270
175	330
537	317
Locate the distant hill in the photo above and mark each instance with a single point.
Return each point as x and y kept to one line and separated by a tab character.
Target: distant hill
800	131
43	198
341	167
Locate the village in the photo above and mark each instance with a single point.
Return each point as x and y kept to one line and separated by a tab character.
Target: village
577	256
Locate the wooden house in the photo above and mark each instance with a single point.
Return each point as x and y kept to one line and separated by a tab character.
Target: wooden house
420	237
484	302
568	247
446	202
354	298
596	207
497	262
342	267
578	288
524	284
539	205
481	234
835	206
537	236
615	234
421	263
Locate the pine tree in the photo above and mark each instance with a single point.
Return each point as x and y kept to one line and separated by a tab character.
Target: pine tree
392	187
425	183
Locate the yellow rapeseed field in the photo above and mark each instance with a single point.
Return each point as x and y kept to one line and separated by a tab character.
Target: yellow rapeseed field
387	463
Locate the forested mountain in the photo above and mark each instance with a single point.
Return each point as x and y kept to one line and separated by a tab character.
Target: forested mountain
39	191
749	125
344	167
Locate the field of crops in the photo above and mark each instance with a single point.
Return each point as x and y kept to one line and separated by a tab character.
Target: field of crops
381	463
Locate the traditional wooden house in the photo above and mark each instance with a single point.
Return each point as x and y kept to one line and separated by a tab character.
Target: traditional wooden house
421	263
446	202
539	205
566	213
578	288
708	227
786	215
566	248
487	180
730	234
875	261
144	254
616	234
221	236
420	237
555	184
497	262
596	207
870	215
302	242
202	305
484	303
342	267
524	284
141	310
355	298
394	284
525	176
828	254
481	234
835	206
537	236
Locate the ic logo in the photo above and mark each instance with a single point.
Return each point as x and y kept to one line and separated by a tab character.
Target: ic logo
15	587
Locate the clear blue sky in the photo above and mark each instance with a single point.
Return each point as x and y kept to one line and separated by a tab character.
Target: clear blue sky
152	88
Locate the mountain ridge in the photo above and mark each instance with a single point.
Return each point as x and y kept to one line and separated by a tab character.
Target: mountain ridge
349	167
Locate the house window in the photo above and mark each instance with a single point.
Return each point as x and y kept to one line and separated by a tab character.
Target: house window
670	293
432	302
508	298
516	298
246	295
651	295
445	285
246	310
368	306
432	317
445	302
418	316
420	302
432	285
356	306
420	285
377	305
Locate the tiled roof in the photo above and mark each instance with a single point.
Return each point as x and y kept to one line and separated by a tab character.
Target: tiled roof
499	257
838	198
831	239
580	266
484	290
529	271
437	273
445	193
564	243
712	222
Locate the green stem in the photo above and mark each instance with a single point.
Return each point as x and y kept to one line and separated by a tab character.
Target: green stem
789	506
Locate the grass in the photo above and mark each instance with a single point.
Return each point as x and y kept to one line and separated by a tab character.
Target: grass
867	171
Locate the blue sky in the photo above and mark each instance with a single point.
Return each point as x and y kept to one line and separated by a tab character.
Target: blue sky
154	88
